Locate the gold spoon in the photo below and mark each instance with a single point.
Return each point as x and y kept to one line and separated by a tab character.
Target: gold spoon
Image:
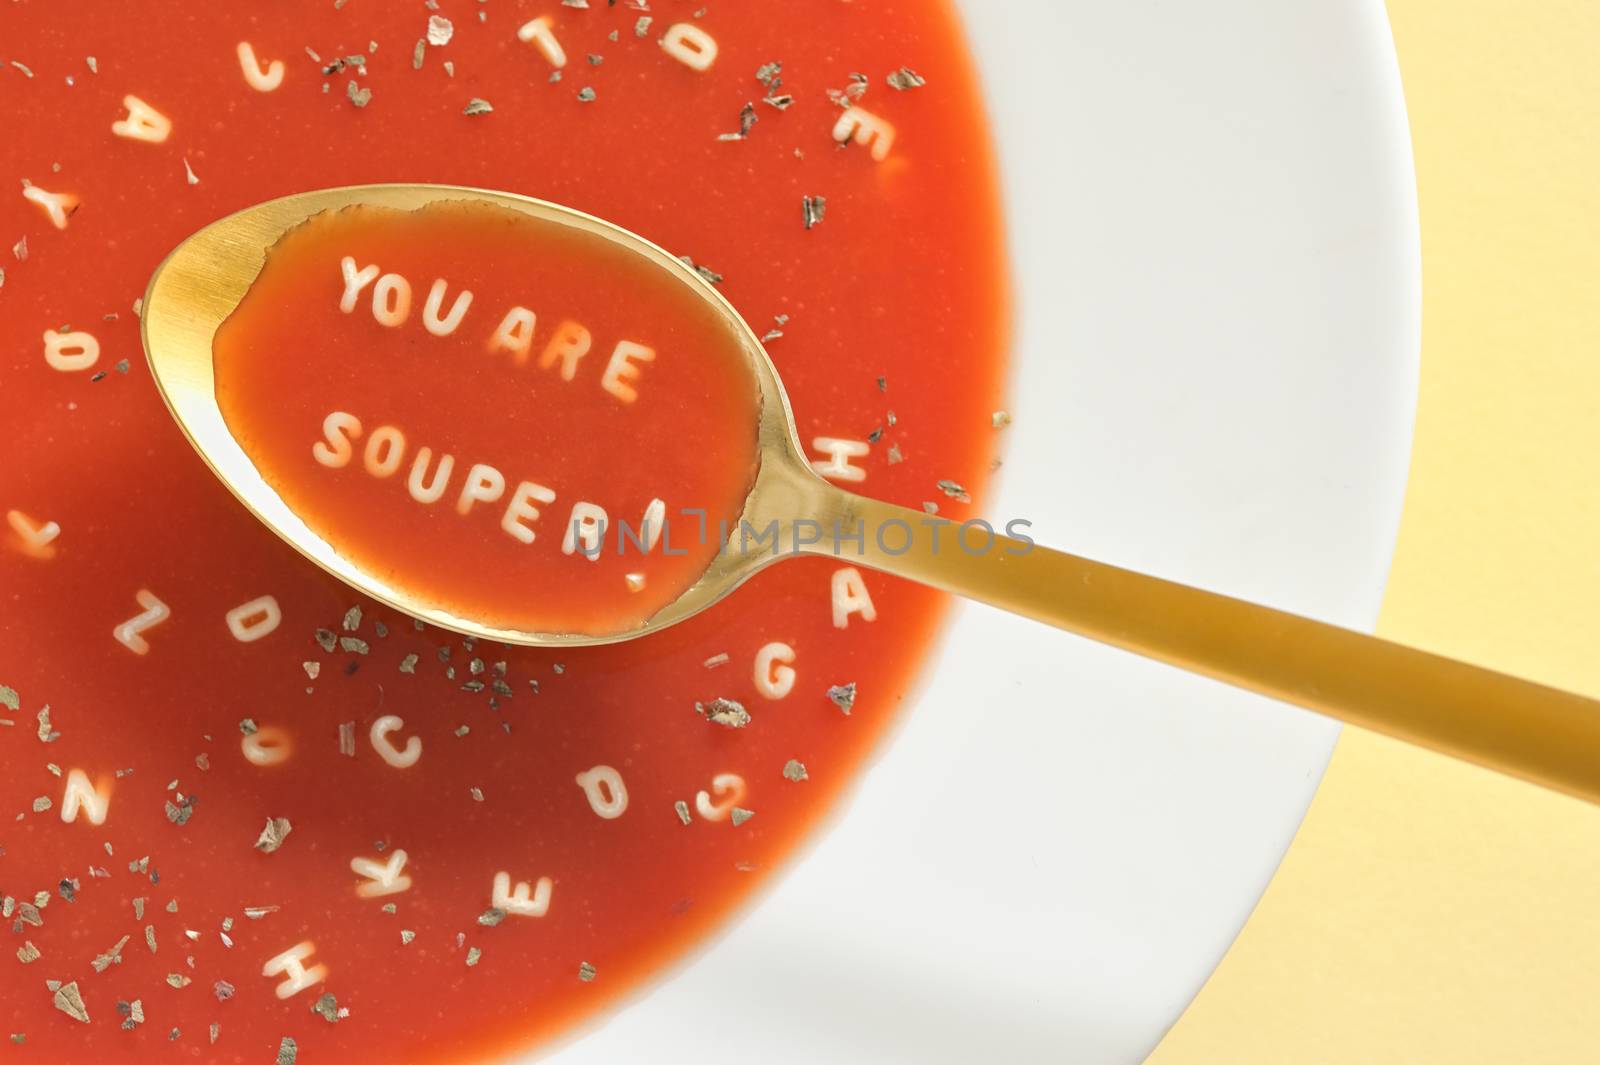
1527	730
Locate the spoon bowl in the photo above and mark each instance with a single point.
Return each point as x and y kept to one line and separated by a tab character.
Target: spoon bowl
1540	734
196	288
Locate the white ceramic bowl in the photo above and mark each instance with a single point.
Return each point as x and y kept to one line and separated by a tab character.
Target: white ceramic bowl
1213	220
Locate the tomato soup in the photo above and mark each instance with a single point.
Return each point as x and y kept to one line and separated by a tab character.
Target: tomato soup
250	817
460	398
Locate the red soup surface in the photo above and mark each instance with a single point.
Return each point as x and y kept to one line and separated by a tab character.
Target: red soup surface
459	399
247	816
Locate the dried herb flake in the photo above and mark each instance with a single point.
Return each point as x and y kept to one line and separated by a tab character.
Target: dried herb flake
327	1007
905	78
104	961
724	712
69	1001
813	208
272	836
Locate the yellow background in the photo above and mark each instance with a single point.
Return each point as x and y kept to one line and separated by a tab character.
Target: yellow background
1427	911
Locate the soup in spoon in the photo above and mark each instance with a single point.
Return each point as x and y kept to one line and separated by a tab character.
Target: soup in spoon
503	416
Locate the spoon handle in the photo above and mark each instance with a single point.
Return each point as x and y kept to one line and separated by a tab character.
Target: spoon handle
1527	730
